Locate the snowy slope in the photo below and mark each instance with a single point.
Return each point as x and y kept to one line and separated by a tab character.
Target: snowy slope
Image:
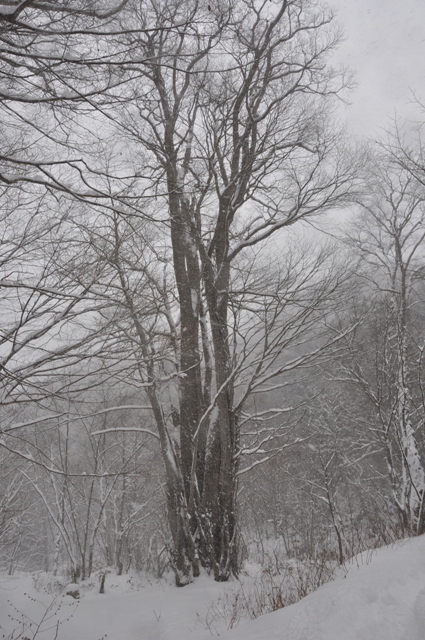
382	597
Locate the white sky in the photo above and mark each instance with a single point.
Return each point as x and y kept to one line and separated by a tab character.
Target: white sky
385	47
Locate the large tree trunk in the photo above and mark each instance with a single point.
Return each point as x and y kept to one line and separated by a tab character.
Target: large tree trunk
220	468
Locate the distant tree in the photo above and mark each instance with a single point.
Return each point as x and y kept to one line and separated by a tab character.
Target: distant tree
388	369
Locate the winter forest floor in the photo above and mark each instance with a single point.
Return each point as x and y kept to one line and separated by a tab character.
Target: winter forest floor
379	595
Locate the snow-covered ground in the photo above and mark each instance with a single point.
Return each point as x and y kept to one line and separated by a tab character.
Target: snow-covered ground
156	612
381	596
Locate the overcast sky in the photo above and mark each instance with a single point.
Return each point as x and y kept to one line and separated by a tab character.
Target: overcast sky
385	47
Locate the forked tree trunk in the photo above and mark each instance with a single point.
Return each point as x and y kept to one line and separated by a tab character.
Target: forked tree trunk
220	470
213	137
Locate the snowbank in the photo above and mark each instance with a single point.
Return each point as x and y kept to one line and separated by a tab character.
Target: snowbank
381	597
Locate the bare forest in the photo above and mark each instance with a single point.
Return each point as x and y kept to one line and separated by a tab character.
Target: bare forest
212	296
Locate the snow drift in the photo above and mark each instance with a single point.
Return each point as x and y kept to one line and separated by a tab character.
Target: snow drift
380	597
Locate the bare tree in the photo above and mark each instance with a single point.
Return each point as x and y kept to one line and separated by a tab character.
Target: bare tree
233	151
43	302
91	485
390	241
